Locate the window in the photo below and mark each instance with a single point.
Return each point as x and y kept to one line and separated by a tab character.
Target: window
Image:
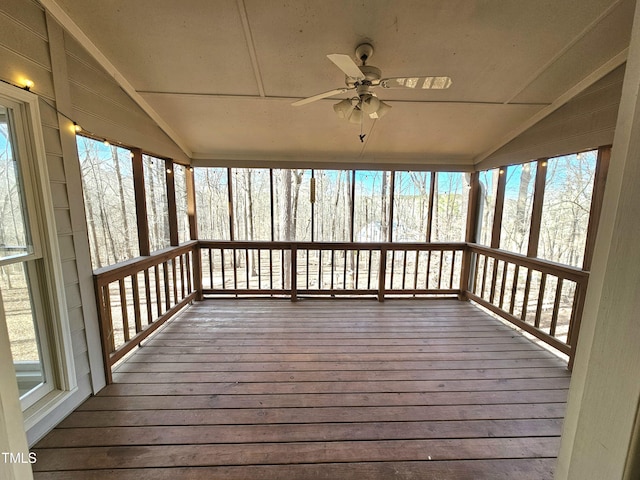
31	295
155	189
518	202
488	192
292	205
212	203
252	204
332	206
180	180
450	203
109	198
371	209
411	206
566	207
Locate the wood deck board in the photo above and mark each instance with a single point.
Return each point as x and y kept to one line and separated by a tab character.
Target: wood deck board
321	389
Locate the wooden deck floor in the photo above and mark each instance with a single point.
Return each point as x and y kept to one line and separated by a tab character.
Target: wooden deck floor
332	389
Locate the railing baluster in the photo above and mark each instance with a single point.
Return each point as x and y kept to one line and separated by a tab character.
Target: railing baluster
484	276
415	271
333	252
246	265
370	268
382	274
123	309
259	270
453	267
147	291
158	294
136	302
514	289
183	261
404	269
556	308
357	272
235	270
428	277
222	269
503	284
543	284
282	269
109	315
167	295
187	261
307	271
175	281
476	272
294	273
211	267
440	269
344	272
393	263
525	300
270	268
494	278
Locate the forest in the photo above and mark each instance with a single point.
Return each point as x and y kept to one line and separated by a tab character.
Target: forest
329	205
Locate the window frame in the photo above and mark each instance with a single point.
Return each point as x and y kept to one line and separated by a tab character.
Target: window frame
49	281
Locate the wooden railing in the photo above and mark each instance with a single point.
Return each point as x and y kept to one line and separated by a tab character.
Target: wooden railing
135	297
541	297
295	269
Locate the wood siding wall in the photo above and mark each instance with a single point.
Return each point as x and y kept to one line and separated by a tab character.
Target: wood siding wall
67	80
586	121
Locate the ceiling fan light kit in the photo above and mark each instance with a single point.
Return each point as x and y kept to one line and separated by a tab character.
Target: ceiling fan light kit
363	79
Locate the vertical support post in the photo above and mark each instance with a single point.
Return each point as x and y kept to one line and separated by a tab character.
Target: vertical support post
470	234
392	179
193	233
602	170
382	273
497	216
141	204
171	202
230	192
352	210
191	204
272	210
432	192
536	209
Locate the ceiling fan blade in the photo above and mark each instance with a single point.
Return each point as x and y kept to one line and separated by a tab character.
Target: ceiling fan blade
320	96
347	65
417	83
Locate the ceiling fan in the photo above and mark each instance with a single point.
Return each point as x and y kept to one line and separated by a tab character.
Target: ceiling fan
363	79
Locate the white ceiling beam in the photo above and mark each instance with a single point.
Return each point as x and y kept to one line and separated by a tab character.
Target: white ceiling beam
251	46
76	32
579	87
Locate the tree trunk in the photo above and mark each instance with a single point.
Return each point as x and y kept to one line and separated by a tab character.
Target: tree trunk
127	236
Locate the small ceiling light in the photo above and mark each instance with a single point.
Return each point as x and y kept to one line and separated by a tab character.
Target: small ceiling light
191	169
370	104
76	128
344	108
106	142
356	116
168	170
382	110
28	84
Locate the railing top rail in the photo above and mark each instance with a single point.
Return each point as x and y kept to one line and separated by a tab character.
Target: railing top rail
111	273
332	245
545	266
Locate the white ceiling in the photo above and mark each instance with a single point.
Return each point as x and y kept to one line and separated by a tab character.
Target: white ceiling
222	74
